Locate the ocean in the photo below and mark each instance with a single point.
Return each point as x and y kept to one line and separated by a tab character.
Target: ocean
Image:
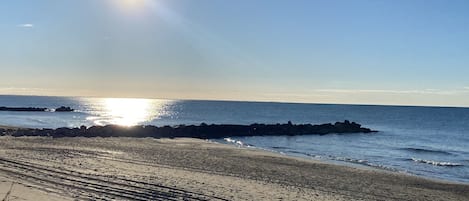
426	141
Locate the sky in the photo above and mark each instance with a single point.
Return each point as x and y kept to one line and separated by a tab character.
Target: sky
392	52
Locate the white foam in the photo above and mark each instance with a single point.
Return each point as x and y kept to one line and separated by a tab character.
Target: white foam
436	163
237	142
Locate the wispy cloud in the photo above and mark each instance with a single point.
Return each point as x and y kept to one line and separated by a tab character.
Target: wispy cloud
24	91
460	91
386	91
26	26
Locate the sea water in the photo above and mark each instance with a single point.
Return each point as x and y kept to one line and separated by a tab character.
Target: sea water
426	141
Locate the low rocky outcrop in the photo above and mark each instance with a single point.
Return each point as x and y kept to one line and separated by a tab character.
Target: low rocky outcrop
64	109
202	131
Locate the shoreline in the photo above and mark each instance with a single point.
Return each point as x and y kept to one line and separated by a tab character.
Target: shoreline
308	158
199	169
345	164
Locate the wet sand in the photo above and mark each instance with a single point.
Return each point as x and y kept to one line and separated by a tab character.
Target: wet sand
45	168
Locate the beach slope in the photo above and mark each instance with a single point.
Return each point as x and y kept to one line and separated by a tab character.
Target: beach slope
190	169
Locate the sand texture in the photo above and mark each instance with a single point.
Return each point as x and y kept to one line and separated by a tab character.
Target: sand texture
43	168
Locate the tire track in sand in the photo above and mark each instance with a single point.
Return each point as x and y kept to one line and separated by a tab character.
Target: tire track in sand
103	187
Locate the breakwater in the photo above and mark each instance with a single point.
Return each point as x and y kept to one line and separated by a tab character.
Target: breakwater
202	131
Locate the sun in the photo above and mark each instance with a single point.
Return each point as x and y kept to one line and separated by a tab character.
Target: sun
130	5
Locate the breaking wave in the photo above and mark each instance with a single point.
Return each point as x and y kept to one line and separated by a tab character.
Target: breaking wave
236	142
436	163
363	162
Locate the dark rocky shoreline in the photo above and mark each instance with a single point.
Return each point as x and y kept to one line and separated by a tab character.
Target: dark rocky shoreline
202	131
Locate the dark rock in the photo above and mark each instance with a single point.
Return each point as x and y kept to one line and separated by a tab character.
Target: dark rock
64	109
203	131
23	109
35	109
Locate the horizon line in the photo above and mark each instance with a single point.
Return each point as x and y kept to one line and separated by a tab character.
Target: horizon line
248	101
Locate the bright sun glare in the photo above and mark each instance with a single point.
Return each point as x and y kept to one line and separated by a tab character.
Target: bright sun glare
130	112
131	4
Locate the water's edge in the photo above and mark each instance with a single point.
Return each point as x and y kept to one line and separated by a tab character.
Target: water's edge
352	163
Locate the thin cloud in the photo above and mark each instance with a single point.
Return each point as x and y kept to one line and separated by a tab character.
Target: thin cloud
385	91
24	91
26	26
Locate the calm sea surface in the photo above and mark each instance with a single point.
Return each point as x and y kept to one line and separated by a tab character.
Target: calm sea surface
426	141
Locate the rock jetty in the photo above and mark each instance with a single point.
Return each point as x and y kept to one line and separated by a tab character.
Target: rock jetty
23	109
202	131
35	109
64	109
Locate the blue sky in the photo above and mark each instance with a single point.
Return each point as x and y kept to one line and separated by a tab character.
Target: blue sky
411	52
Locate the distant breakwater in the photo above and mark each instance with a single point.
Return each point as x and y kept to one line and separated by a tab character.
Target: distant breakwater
36	109
202	131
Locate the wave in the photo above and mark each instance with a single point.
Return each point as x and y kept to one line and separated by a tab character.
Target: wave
279	147
421	150
363	162
351	160
320	157
237	142
436	163
296	152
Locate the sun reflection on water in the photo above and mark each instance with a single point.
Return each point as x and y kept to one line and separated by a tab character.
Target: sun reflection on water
128	111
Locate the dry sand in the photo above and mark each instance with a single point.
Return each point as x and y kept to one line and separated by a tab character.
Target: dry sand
189	169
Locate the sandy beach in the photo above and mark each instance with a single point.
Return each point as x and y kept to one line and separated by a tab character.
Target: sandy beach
44	168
